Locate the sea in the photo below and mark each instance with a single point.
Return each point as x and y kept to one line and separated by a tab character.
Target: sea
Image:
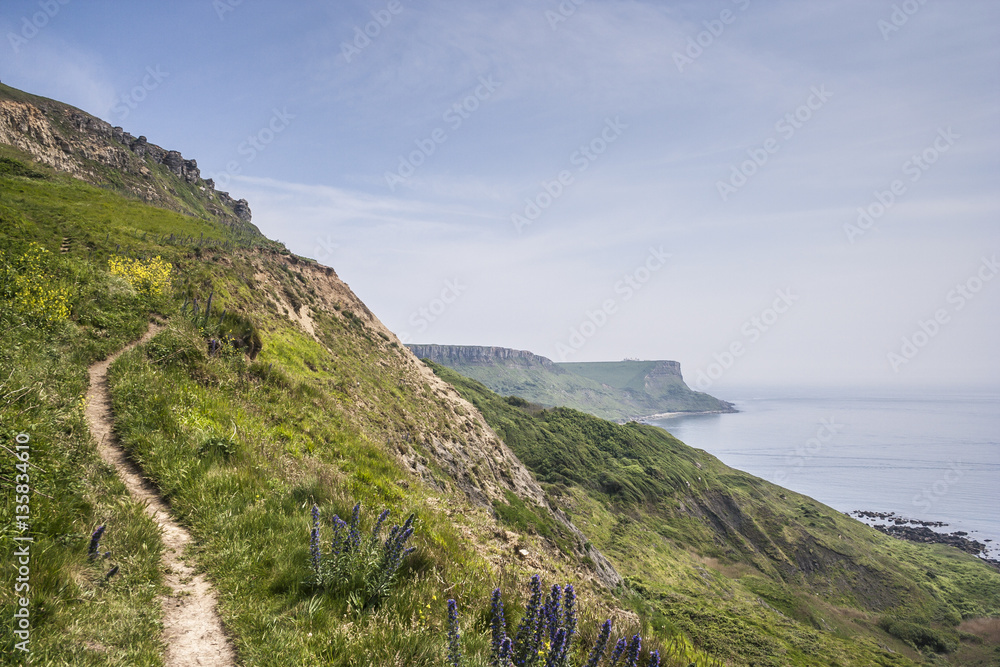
930	455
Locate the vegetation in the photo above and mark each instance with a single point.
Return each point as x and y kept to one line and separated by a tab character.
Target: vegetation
617	390
270	391
802	583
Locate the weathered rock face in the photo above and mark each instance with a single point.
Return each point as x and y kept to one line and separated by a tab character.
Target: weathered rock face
75	142
448	355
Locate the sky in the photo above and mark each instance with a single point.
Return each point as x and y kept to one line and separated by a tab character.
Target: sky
770	192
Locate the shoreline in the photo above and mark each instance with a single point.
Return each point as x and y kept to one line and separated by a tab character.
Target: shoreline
668	415
919	531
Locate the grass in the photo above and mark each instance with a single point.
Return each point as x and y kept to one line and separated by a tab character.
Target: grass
719	564
750	571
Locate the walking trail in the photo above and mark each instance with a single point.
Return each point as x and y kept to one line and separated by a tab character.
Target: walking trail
192	629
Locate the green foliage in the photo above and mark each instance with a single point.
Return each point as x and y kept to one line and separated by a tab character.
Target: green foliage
919	635
360	566
749	571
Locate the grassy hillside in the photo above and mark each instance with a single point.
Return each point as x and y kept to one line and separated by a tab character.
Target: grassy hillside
616	390
751	571
331	410
75	142
272	389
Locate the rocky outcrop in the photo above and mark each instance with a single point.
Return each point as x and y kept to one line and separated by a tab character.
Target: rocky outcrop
72	141
449	355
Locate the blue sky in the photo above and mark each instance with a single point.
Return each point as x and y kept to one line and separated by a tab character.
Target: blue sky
592	181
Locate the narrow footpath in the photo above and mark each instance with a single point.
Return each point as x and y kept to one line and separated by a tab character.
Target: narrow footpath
192	630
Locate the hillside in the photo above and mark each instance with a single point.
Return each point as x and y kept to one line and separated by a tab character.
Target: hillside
77	143
264	388
616	390
753	572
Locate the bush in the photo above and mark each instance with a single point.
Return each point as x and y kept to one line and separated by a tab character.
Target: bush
362	568
27	283
150	277
918	636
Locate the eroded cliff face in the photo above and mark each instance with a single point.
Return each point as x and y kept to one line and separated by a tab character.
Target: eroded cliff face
448	355
88	148
461	443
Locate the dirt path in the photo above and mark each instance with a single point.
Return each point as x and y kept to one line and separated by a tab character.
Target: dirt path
192	629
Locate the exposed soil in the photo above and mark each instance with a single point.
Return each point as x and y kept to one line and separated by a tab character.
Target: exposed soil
192	630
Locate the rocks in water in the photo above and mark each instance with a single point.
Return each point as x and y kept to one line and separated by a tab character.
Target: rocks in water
916	530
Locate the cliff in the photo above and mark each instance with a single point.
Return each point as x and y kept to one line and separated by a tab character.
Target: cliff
88	148
616	390
449	355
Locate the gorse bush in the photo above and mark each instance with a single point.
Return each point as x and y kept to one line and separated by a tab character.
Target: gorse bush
28	285
545	635
360	565
149	277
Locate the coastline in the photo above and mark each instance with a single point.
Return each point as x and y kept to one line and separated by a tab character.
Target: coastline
669	415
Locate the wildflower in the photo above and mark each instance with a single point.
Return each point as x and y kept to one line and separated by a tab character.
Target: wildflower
499	628
654	659
632	658
569	614
338	535
616	654
556	651
454	652
553	615
148	277
378	525
506	653
600	645
95	539
354	536
525	644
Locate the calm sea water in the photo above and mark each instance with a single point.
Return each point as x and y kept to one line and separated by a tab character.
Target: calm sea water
933	456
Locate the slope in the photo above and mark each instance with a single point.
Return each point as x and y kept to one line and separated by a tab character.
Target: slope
753	572
308	399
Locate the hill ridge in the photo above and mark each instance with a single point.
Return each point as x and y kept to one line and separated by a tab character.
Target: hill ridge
624	390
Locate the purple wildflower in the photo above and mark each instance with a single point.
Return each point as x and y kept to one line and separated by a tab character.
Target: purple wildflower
600	645
616	654
556	650
632	658
499	628
95	539
454	651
